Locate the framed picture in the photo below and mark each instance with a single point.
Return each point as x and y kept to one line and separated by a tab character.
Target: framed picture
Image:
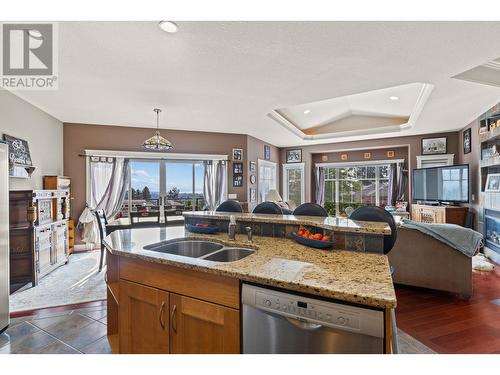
267	152
493	183
238	180
390	154
237	154
253	195
294	156
237	168
343	157
434	146
324	157
19	152
367	155
253	166
467	141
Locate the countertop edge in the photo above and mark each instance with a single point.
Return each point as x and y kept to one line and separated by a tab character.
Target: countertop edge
291	286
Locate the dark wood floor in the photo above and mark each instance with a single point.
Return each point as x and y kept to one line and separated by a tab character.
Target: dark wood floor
447	324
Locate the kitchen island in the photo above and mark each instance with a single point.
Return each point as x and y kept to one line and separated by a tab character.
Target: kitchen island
159	302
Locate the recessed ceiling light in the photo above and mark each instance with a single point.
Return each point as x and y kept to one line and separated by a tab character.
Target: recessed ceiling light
394	97
307	111
168	26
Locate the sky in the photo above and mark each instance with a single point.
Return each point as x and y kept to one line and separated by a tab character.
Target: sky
178	175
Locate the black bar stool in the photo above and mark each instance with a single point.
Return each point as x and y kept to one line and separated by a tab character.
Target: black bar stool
377	214
101	222
268	208
229	206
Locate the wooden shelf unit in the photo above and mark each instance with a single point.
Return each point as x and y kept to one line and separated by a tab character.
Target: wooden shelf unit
38	234
439	214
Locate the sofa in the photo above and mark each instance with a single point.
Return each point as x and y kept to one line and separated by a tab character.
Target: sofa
422	261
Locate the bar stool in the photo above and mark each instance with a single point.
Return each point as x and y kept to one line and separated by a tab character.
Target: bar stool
101	222
377	214
310	209
229	206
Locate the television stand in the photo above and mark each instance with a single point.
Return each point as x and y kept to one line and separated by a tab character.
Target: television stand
439	214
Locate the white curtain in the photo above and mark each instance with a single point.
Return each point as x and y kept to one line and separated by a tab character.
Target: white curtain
109	184
320	186
215	182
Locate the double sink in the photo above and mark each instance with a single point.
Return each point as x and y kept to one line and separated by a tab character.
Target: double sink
205	250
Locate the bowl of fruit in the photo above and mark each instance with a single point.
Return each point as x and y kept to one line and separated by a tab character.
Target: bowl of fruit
202	228
316	240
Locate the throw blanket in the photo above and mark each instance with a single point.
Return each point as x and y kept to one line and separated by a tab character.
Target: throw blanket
465	240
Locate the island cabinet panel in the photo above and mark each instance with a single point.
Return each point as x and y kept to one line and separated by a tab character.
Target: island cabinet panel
199	327
143	319
208	287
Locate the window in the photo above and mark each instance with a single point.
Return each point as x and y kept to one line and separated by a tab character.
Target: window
161	190
267	178
293	183
356	186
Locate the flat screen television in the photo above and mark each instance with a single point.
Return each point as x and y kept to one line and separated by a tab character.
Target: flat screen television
448	184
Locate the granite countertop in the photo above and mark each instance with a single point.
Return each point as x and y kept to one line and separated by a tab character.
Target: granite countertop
332	223
343	275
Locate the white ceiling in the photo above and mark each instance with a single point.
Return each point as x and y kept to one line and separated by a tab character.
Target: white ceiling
226	76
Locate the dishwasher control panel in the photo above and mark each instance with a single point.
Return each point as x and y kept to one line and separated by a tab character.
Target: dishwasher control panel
332	314
300	308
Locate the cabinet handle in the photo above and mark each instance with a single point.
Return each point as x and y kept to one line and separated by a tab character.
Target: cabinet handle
162	323
173	318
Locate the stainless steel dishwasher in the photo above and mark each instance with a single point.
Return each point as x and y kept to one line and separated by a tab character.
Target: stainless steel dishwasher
277	322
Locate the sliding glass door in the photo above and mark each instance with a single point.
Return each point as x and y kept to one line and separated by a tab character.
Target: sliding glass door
160	190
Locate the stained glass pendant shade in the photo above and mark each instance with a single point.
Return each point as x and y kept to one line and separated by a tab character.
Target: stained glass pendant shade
157	142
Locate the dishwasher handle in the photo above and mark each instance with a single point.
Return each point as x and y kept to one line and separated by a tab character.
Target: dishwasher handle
308	326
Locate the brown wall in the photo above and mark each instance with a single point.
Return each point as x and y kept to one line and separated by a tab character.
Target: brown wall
255	151
78	137
413	143
477	198
358	155
472	159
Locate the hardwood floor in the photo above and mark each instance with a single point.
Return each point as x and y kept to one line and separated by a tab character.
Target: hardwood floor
447	324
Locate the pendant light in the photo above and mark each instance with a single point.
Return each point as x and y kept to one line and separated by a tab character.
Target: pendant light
157	142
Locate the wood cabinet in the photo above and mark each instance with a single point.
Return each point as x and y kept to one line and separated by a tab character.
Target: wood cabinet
143	319
38	235
21	240
166	309
439	214
202	327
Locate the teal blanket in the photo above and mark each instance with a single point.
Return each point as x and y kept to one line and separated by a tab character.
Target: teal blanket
465	240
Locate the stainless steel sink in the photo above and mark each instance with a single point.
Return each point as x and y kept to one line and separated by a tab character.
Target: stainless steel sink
229	255
187	248
205	250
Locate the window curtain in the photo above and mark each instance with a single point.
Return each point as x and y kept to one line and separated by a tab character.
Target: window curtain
402	182
320	186
109	184
214	182
398	182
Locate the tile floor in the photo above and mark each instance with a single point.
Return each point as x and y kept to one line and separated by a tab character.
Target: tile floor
82	330
77	331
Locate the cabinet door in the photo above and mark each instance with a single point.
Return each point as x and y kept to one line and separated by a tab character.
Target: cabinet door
199	327
143	319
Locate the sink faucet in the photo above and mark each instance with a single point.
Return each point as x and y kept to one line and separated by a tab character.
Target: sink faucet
249	234
231	232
